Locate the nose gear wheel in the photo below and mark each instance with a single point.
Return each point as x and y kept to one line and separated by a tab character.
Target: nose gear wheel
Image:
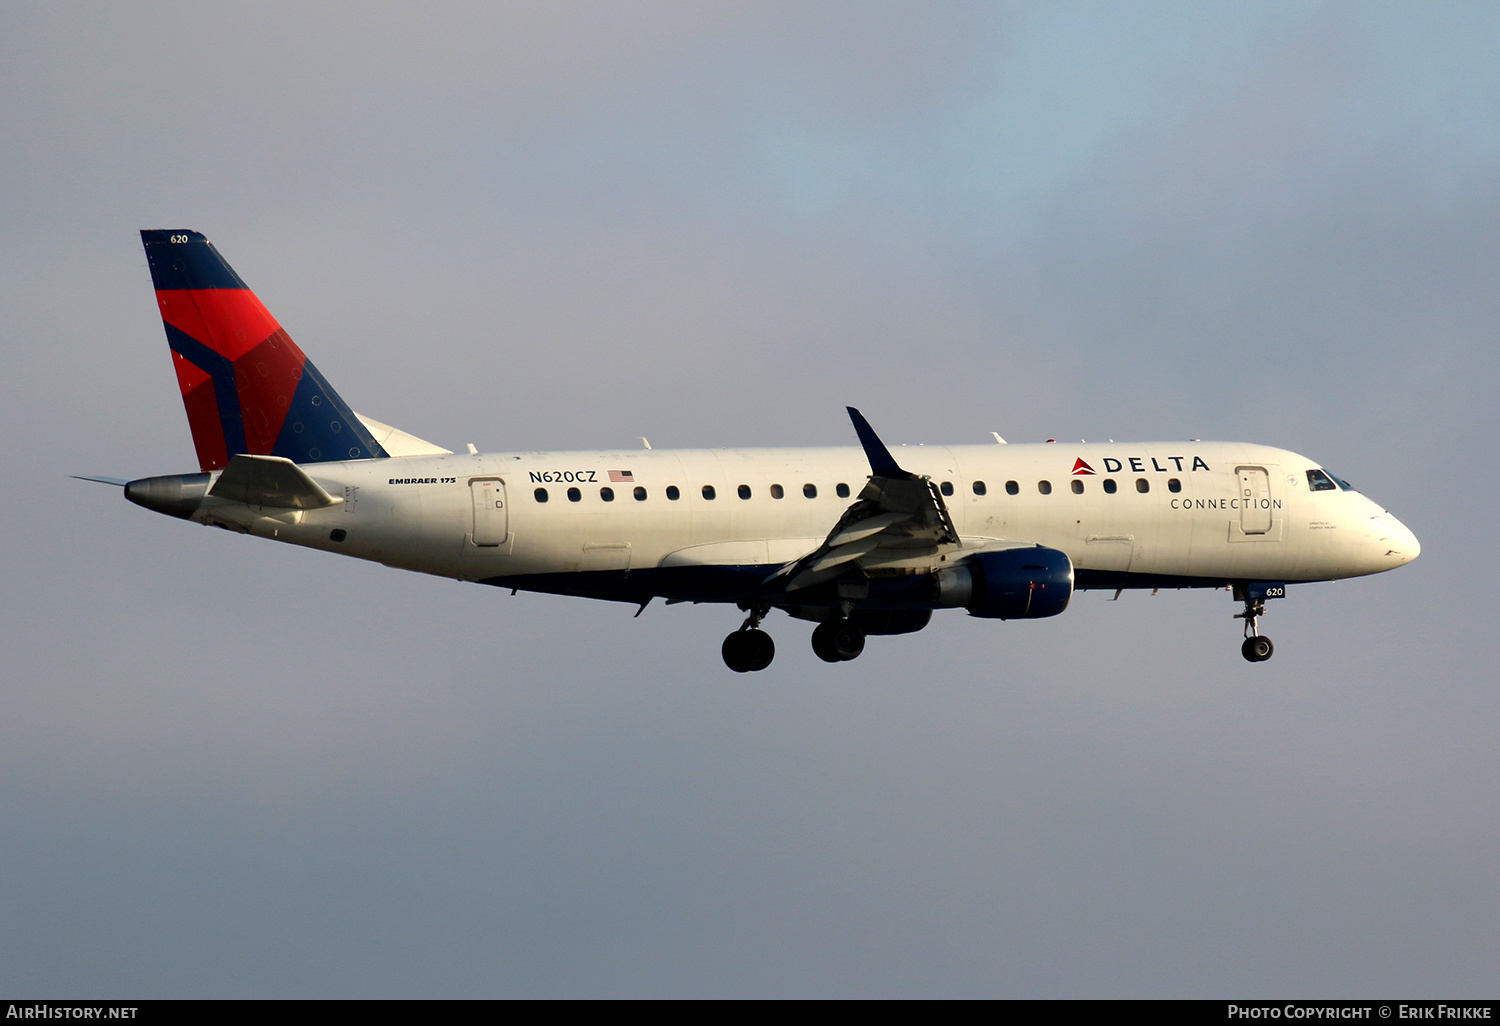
1256	648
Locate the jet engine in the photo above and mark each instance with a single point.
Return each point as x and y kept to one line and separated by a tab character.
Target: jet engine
1012	584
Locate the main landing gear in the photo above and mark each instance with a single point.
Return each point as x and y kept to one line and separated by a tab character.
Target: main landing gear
836	641
749	648
1257	647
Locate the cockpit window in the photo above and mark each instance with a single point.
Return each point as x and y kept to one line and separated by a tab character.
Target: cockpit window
1345	485
1318	481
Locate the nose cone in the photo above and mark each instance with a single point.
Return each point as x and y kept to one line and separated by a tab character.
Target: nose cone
1394	541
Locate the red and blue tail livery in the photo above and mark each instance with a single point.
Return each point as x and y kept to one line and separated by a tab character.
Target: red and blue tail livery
247	387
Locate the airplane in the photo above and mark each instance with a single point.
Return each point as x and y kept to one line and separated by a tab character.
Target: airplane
850	539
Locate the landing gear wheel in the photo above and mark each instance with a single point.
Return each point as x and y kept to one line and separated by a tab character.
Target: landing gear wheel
761	648
822	644
1257	649
836	641
746	651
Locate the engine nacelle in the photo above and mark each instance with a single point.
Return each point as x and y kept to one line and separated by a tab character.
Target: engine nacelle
1012	584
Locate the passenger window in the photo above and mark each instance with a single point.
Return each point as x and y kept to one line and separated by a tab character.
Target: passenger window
810	490
1012	488
842	490
708	491
1318	481
744	491
1109	485
640	494
541	494
1142	485
979	488
1077	487
946	488
1174	485
672	493
607	494
776	492
574	495
1045	487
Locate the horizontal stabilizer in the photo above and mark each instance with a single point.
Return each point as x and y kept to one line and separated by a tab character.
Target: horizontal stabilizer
396	442
270	481
120	481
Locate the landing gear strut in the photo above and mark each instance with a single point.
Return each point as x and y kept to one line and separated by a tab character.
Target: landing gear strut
749	648
1257	648
836	641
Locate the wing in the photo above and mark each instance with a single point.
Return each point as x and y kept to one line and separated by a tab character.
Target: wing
897	510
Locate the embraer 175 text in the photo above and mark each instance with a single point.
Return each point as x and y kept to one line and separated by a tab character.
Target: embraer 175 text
848	538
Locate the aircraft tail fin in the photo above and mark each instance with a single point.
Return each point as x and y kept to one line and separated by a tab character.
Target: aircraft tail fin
247	388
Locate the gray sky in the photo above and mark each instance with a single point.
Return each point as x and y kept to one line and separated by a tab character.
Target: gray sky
231	768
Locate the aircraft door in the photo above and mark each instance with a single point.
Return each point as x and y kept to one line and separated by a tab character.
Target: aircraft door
1255	500
491	518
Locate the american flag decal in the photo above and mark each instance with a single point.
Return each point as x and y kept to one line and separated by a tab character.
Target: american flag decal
621	475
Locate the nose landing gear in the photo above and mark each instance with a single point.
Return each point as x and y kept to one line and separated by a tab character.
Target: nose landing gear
1256	648
749	649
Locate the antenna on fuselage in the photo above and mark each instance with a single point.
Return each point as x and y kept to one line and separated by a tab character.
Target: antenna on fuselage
997	438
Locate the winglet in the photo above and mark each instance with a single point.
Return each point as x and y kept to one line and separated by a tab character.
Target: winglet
882	463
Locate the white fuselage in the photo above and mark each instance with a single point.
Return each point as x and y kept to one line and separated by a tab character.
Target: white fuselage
1201	512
